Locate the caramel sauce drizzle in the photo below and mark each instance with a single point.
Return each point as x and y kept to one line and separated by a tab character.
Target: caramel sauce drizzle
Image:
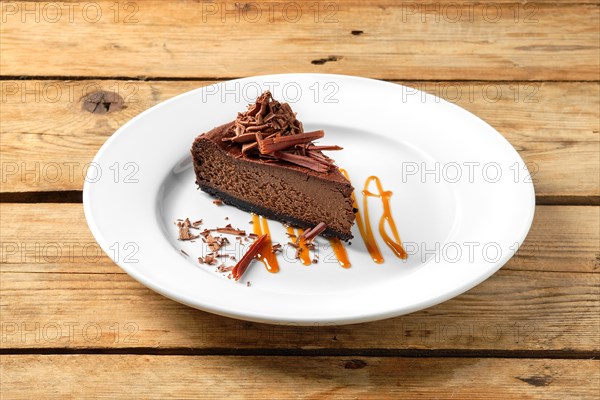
364	226
394	244
365	232
340	252
265	254
304	254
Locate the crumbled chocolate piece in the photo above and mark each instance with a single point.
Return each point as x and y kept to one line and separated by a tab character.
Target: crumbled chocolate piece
248	284
224	268
218	202
215	243
184	230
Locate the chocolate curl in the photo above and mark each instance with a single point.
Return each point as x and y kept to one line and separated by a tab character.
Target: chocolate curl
247	258
313	147
231	230
243	138
312	233
277	143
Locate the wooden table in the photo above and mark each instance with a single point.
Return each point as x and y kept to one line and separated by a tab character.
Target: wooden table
74	325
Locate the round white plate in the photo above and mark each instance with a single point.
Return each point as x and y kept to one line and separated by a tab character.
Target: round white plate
463	201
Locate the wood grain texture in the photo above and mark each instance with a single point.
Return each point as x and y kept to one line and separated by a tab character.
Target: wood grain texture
58	291
553	125
149	377
484	41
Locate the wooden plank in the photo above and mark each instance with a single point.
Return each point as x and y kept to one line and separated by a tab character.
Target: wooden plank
553	125
544	299
403	40
143	376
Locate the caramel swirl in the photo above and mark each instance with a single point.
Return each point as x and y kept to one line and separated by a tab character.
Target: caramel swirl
364	226
394	244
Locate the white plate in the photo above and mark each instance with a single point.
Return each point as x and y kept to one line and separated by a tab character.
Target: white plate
458	230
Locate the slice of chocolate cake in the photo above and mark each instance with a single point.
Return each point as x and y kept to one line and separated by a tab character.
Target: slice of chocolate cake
264	162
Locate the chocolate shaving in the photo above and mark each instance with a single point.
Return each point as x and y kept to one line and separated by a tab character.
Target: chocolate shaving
224	268
184	253
313	147
218	202
184	230
247	258
231	230
215	243
270	130
243	138
312	233
277	143
210	259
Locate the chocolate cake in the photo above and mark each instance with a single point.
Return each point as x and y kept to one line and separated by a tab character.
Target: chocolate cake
264	162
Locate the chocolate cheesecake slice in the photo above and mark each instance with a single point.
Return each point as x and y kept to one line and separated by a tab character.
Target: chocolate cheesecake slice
263	162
